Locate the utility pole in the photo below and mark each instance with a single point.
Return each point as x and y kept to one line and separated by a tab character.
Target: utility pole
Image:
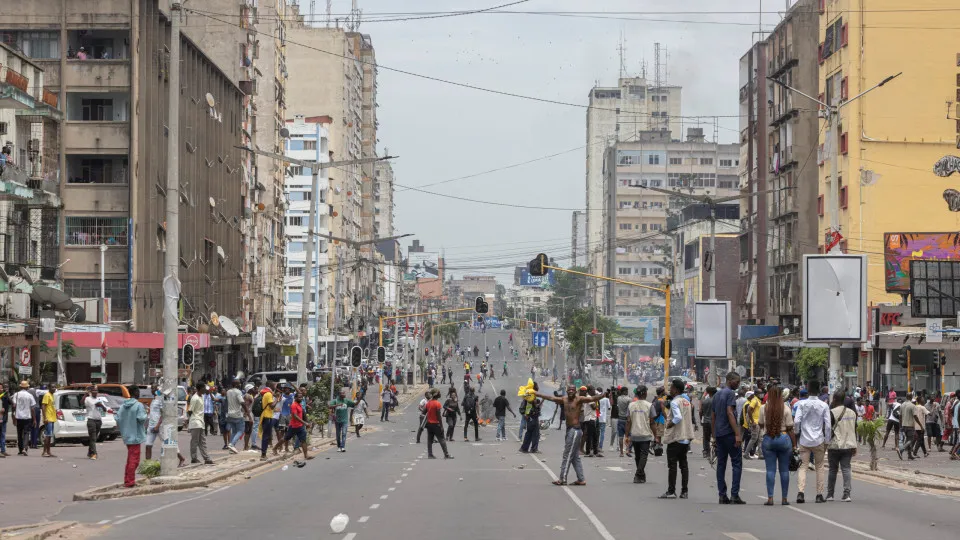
171	281
307	295
833	193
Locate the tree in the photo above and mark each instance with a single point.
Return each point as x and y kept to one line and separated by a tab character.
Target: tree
569	294
500	300
871	431
49	362
582	323
809	360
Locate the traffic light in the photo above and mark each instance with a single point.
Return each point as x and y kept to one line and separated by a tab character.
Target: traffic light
381	354
665	353
536	266
356	356
188	354
481	305
902	356
941	358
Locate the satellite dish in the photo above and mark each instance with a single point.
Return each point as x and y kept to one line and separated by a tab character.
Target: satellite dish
25	275
214	318
48	296
213	202
869	178
3	274
210	101
229	327
284	132
222	254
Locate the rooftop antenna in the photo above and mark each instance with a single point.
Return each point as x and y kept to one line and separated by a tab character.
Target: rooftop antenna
354	21
658	69
329	13
622	49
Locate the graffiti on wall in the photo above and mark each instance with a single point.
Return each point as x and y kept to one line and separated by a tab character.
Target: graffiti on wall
901	248
944	167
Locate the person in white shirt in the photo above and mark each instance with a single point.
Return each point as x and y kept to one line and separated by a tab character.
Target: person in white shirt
93	403
604	414
813	423
23	412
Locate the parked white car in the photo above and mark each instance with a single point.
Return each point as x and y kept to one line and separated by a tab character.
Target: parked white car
72	418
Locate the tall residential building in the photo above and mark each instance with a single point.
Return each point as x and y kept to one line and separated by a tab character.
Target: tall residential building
256	31
308	142
618	114
639	238
114	161
333	85
383	191
778	137
578	239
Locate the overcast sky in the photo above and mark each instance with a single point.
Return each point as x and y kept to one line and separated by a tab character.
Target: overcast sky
442	131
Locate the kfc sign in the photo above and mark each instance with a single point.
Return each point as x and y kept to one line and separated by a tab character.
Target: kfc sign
890	319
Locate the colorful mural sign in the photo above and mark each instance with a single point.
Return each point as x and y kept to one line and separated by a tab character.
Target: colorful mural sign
901	248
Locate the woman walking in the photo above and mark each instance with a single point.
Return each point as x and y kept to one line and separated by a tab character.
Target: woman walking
779	441
843	445
360	412
451	410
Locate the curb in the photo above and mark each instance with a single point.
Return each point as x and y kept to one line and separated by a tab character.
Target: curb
912	483
117	491
43	530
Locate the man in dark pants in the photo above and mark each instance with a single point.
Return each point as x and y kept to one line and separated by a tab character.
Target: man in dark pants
677	435
589	423
434	430
639	427
706	419
422	407
726	433
531	439
470	413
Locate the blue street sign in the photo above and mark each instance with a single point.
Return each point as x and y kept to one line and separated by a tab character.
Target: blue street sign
540	339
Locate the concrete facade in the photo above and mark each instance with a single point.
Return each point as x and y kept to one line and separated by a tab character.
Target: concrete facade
578	239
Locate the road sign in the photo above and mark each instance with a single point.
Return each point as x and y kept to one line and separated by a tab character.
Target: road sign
288	350
26	370
25	356
98	375
540	339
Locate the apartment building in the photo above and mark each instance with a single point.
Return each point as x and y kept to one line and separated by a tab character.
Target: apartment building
307	141
578	238
619	114
107	64
640	241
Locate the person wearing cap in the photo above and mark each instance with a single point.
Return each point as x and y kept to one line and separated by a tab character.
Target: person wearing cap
23	413
678	433
82	54
814	425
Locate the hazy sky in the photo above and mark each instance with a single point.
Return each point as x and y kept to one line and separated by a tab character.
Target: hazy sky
442	131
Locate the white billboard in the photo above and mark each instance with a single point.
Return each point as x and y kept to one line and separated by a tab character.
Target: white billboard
713	330
835	298
424	264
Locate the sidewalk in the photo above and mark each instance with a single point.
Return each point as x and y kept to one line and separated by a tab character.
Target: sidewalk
937	471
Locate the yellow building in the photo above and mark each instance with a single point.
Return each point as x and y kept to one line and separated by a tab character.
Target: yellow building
891	138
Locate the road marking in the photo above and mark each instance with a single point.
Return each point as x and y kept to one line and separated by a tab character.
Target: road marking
350	536
398	482
403	475
103	522
831	522
374	506
363	519
164	507
391	489
740	536
382	497
597	524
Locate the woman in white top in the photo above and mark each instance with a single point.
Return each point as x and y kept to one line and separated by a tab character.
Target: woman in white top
843	445
360	414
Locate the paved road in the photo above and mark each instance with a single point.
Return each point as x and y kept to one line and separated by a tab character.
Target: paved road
385	484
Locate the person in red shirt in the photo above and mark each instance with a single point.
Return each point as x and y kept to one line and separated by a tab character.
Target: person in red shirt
869	411
297	427
434	430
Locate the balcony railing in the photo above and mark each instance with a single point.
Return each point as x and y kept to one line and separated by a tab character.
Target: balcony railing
14	78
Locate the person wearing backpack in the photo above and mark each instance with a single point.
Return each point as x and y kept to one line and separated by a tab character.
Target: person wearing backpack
470	413
843	445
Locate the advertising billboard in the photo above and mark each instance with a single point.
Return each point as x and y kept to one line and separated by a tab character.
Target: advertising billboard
901	248
424	265
649	325
544	282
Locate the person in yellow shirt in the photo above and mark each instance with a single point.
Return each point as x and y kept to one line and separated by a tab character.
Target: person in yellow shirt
49	419
751	423
268	402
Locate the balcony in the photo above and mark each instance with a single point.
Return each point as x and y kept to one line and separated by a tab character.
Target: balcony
97	74
782	63
14	90
782	256
744	90
647	212
96	137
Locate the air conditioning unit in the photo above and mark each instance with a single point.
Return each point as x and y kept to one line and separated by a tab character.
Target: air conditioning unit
14	305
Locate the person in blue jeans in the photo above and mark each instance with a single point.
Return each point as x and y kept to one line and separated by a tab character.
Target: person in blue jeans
340	407
779	440
5	408
501	406
726	433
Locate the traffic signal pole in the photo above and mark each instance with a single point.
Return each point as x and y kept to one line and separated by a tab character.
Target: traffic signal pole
665	290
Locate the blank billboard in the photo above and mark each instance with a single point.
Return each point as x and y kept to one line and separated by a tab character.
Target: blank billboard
713	330
835	298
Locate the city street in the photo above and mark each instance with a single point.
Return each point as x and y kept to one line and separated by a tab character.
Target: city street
491	491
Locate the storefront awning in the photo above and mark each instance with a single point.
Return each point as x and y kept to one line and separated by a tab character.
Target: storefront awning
130	340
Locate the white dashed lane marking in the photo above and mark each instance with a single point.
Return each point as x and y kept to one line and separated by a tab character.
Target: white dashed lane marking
383	497
363	519
374	506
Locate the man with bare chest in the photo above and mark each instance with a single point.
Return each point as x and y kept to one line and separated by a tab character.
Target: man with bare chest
572	405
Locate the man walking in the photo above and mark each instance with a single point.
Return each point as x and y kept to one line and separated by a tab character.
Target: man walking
572	407
726	434
639	427
95	410
751	422
604	406
296	428
386	398
677	436
706	418
341	407
267	406
23	413
623	405
131	421
908	426
422	407
813	419
235	411
196	426
49	412
209	422
470	413
5	406
500	407
434	430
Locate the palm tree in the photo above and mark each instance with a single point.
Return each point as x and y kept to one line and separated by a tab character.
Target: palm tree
871	431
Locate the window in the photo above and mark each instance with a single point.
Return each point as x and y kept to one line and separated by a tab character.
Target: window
706	161
820	206
653	159
310	144
301	196
295	271
100	171
843	143
676	161
294	323
623	271
295	297
94	231
96	110
656	227
843	197
726	163
625	227
40	44
115	289
295	247
295	221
